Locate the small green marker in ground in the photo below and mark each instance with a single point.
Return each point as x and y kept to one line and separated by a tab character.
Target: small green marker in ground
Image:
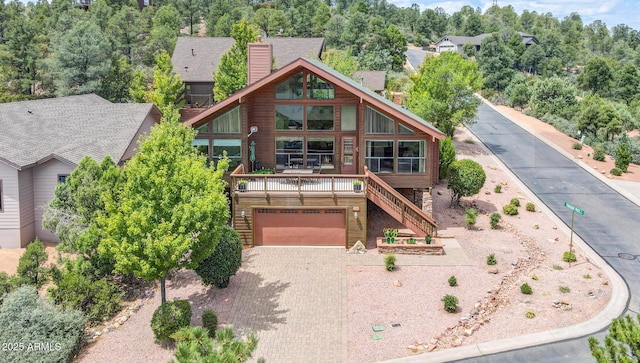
378	328
376	336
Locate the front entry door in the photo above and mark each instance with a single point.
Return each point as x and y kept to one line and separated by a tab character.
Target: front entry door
349	155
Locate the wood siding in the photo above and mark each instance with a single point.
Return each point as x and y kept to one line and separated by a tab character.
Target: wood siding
356	228
27	213
45	179
10	215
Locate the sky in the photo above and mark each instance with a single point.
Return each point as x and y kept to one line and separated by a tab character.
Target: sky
611	12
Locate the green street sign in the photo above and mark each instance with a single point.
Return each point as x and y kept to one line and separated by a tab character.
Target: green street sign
574	208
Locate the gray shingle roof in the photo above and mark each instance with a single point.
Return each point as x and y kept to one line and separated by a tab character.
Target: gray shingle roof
68	128
374	80
201	55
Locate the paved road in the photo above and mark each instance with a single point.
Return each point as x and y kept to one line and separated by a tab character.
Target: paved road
611	224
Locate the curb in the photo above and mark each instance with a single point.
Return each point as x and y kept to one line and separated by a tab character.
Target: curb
619	290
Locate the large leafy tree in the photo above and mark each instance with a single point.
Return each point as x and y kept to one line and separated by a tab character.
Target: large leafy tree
597	77
165	90
170	209
556	96
396	42
231	74
82	58
599	118
443	91
621	345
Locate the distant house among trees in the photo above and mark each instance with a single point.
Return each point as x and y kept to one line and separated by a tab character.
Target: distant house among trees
455	43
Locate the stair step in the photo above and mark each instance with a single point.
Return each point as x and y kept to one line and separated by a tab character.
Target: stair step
406	232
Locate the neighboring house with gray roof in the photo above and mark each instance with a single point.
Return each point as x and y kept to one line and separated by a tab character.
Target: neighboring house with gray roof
195	59
373	80
42	141
455	43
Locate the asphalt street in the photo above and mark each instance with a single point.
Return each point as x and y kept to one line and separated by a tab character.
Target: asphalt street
610	224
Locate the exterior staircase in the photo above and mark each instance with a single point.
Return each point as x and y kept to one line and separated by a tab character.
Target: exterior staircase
399	207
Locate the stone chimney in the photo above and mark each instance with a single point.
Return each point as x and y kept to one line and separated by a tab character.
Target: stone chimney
259	62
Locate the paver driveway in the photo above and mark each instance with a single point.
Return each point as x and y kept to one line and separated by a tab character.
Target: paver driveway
295	299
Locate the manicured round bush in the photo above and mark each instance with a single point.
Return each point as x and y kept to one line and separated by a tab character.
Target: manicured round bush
224	262
210	322
531	207
616	172
526	289
515	201
450	303
466	178
510	210
169	318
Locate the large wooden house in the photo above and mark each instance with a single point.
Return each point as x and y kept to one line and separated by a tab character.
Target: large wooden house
325	136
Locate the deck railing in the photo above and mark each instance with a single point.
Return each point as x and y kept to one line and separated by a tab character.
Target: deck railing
295	182
398	206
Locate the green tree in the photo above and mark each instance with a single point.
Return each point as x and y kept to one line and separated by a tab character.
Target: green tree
443	91
628	83
320	20
341	61
81	59
599	118
447	156
396	42
224	262
168	89
231	74
622	154
533	59
495	61
270	21
164	33
621	345
115	85
473	25
518	92
30	264
170	209
555	96
466	178
194	345
597	77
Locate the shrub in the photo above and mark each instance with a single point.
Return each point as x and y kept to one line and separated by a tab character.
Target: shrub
565	289
169	318
450	303
491	259
498	188
9	283
557	267
263	171
494	219
427	239
390	262
193	345
224	262
586	276
411	241
98	299
210	322
598	153
530	314
510	210
25	318
515	201
569	256
526	289
531	207
466	178
616	172
447	156
30	264
453	281
471	215
577	146
622	157
534	277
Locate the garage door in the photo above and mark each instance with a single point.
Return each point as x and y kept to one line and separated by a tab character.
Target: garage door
299	227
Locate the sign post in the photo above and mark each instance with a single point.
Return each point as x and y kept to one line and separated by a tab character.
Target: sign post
574	210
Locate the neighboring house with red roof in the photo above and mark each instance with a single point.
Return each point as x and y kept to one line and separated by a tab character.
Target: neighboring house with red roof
42	141
320	131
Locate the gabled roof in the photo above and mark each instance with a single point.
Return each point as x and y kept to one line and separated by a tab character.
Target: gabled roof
477	40
373	80
196	58
67	129
332	76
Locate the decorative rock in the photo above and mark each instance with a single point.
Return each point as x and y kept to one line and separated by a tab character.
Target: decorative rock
122	319
536	226
493	270
358	248
527	301
116	325
555	227
397	283
487	193
474	312
579	156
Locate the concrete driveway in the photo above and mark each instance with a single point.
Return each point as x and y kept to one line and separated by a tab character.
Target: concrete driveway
295	299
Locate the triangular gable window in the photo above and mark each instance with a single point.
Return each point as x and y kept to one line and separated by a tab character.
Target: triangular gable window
318	88
402	129
377	123
290	89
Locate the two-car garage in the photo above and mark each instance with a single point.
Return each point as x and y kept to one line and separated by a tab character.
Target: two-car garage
299	227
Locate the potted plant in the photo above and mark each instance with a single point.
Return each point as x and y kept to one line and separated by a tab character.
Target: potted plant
357	185
242	185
